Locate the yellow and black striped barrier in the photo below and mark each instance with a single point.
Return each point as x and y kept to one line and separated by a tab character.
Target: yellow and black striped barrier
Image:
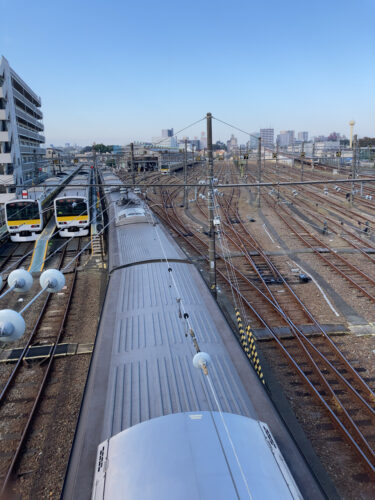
248	344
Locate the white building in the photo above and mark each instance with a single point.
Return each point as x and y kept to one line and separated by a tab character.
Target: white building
285	138
254	140
232	144
267	136
21	153
165	142
303	136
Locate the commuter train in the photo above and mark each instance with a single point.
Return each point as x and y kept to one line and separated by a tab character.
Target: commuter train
151	425
72	206
26	217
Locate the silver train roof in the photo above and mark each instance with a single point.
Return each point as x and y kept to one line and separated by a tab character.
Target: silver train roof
188	456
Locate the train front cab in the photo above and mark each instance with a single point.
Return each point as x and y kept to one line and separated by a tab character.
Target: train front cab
72	216
24	219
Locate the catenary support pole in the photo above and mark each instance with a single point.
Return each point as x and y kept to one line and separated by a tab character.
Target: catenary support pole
132	162
185	176
302	159
211	247
259	167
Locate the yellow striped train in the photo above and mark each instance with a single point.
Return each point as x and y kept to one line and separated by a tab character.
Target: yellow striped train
26	217
72	206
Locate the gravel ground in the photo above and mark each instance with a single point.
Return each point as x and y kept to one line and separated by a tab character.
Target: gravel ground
351	479
41	469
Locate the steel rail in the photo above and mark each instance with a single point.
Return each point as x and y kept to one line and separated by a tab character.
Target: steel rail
273	268
43	382
324	382
330	252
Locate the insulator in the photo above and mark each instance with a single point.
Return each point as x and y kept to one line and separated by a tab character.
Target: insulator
12	325
22	280
52	279
201	360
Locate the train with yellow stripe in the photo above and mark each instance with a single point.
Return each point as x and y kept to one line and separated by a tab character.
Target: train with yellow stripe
72	207
26	217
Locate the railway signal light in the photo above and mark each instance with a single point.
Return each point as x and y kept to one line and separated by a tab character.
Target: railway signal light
274	155
338	154
303	154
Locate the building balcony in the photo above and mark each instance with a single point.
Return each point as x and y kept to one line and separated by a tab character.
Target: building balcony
25	116
27	103
5	158
2	93
3	114
31	134
31	150
4	136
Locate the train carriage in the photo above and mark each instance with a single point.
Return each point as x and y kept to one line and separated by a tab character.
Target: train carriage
25	217
72	207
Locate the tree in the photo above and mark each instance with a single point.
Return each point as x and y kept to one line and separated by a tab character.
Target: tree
367	141
219	145
101	148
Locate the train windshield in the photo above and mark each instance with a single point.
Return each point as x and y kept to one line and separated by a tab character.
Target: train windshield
71	206
23	210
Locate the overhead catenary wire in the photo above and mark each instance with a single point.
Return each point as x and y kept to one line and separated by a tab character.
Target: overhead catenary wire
181	130
207	375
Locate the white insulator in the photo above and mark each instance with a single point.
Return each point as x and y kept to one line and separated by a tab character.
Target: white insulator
52	279
21	279
201	360
12	325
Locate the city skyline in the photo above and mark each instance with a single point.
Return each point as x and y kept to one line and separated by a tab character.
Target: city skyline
100	81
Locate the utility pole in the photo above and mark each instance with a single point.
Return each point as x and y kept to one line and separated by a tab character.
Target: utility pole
302	159
211	201
132	162
312	155
185	176
354	168
94	152
277	160
259	167
247	157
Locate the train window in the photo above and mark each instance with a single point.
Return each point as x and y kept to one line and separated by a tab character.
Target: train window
71	206
22	210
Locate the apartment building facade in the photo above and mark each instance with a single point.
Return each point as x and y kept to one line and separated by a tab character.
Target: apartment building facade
21	128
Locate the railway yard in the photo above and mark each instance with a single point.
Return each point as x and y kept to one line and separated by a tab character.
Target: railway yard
295	263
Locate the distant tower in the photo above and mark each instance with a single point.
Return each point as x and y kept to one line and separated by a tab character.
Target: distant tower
351	123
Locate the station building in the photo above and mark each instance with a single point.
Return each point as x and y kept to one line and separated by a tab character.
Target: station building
21	128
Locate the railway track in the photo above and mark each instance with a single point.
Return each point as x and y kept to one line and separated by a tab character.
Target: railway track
338	389
15	255
22	393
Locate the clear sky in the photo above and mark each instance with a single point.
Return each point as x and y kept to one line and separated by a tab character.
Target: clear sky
115	71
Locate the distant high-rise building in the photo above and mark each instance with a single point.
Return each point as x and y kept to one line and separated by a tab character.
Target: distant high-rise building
232	144
303	136
203	141
285	138
267	136
167	132
254	140
21	128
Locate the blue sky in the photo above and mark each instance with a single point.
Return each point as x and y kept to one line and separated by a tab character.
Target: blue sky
118	71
